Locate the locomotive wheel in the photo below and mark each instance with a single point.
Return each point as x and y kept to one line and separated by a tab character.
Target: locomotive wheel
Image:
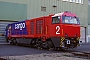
11	42
15	42
45	45
33	43
39	44
50	45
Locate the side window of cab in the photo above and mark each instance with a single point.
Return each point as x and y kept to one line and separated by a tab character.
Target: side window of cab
56	20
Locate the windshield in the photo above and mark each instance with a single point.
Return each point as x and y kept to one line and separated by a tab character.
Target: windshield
70	20
56	19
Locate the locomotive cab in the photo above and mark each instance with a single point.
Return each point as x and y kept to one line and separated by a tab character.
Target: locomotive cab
71	26
65	29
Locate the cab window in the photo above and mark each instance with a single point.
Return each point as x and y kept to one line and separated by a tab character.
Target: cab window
70	20
55	20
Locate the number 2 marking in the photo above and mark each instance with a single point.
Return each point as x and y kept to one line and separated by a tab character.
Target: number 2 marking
57	28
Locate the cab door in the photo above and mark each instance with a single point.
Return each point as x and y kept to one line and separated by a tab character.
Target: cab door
55	27
55	30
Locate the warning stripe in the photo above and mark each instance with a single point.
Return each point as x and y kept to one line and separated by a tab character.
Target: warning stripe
78	38
61	40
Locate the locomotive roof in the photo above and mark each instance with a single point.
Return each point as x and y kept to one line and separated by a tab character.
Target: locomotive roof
58	14
64	13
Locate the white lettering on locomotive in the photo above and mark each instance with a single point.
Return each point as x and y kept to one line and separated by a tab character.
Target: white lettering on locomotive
58	29
20	26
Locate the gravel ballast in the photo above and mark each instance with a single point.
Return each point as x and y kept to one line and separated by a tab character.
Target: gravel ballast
44	56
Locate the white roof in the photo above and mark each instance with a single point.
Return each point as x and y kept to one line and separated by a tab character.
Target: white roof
58	14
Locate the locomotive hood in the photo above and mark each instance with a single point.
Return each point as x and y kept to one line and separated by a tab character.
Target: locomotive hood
71	30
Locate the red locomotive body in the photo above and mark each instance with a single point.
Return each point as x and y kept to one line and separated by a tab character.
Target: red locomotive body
60	30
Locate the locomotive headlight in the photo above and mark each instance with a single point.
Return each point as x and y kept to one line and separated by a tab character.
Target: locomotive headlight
68	41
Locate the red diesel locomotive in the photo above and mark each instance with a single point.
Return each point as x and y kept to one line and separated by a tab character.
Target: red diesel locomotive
61	30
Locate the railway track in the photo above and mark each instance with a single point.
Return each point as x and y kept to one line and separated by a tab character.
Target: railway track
78	53
83	54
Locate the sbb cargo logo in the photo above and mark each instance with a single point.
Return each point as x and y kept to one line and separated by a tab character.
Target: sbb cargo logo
20	26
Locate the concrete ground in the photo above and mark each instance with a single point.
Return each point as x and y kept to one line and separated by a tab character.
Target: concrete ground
84	47
12	52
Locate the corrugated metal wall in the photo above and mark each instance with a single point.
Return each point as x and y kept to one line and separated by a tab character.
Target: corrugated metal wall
89	22
12	11
83	34
89	14
88	33
3	25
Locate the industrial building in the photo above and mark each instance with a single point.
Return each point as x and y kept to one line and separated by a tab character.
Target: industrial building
88	20
17	10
